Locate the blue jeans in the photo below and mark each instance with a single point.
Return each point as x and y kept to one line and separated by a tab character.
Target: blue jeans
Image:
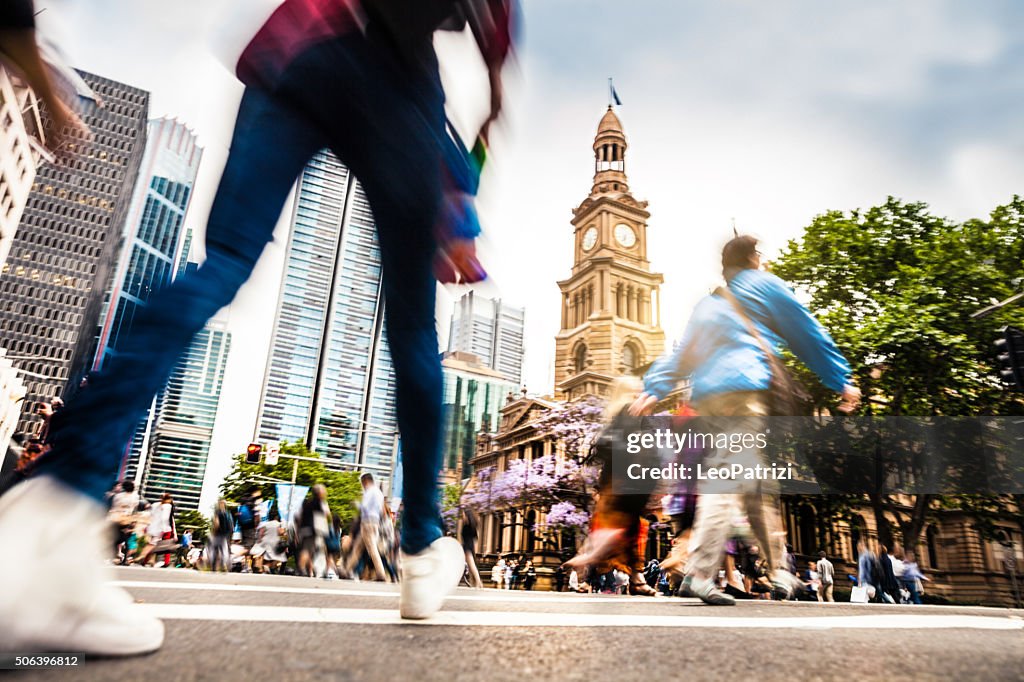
385	121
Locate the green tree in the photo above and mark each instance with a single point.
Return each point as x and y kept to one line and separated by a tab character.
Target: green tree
343	488
895	286
196	522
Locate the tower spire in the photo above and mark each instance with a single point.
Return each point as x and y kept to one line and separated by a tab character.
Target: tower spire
610	156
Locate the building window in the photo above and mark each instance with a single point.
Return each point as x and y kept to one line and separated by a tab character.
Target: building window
580	358
932	539
630	357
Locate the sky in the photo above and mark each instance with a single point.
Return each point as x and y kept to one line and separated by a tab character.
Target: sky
765	114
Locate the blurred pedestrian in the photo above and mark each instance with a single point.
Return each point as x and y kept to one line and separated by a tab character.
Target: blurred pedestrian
268	553
498	573
912	577
826	576
729	353
249	517
529	574
314	519
371	509
618	532
888	585
359	77
161	531
123	506
218	544
19	47
867	569
468	534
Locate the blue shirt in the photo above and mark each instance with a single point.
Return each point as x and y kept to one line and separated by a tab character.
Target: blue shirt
720	355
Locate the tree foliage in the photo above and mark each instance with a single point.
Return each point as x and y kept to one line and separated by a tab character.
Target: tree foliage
190	519
343	487
896	287
559	485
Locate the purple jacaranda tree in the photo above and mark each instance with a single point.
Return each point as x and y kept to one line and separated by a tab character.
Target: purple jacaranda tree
561	486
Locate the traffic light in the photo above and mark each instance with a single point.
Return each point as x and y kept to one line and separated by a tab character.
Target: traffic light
1010	357
252	453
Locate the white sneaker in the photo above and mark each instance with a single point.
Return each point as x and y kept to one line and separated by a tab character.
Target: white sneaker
47	607
785	585
430	576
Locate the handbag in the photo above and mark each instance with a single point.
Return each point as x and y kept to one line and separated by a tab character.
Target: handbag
859	594
787	396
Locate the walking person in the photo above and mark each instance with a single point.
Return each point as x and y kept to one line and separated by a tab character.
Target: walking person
359	77
618	533
498	573
729	352
161	530
314	519
123	506
371	509
468	534
827	577
268	552
218	547
888	585
912	577
867	569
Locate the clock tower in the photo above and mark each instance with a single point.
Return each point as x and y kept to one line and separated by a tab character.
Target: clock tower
610	308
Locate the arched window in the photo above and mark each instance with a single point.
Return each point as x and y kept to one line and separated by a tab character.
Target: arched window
808	529
857	533
580	358
932	538
531	533
630	357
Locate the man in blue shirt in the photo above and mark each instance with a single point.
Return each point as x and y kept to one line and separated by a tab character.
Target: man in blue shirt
723	352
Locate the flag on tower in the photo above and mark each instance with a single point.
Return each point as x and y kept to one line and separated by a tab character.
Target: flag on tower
613	97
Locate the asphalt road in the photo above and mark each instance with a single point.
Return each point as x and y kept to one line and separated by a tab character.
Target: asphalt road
275	628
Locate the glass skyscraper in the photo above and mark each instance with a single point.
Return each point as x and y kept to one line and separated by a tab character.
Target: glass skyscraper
185	414
473	397
329	380
153	230
154	238
491	330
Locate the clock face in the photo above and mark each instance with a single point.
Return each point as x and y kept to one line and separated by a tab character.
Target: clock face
625	235
589	238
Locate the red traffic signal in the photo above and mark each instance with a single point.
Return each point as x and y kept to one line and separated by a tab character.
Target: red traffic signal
253	452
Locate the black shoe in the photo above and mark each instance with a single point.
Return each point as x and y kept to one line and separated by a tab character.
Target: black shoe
737	593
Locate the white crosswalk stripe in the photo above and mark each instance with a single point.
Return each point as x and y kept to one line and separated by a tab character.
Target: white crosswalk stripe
293	614
165	591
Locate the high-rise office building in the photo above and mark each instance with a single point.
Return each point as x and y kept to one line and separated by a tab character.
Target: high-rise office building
154	237
473	397
153	230
329	380
12	392
53	283
186	411
492	331
21	139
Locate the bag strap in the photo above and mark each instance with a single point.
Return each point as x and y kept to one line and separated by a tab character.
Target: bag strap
725	293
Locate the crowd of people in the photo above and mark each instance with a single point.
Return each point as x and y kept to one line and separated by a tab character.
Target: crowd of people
515	573
251	536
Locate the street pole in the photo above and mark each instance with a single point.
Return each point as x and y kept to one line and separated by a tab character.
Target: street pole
985	312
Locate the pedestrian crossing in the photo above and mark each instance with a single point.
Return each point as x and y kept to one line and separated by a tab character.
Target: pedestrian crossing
271	599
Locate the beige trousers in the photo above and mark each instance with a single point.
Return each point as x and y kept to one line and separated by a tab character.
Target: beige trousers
721	501
368	534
